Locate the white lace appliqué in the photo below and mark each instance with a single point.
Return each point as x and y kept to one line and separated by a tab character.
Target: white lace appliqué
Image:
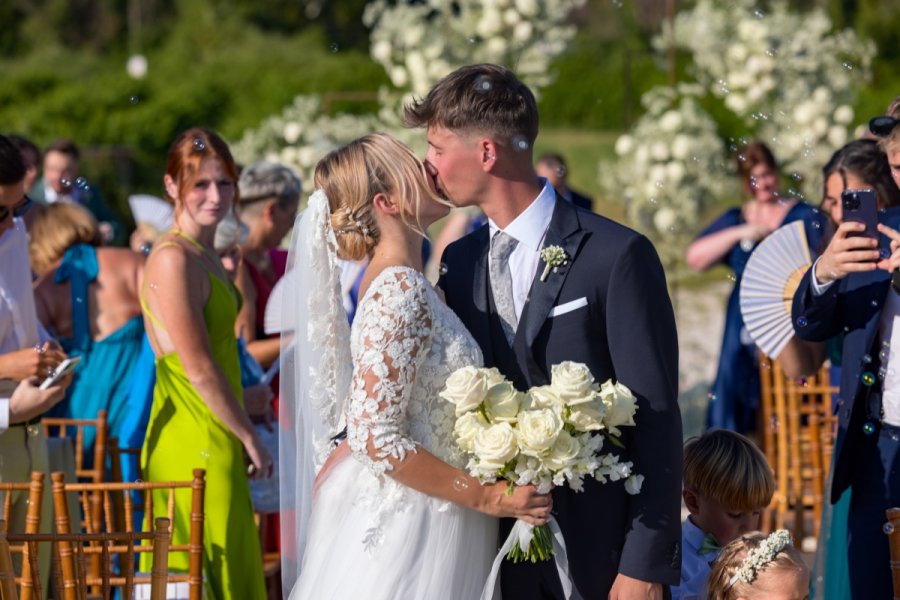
405	343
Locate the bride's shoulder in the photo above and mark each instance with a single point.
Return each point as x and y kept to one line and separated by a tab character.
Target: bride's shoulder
397	281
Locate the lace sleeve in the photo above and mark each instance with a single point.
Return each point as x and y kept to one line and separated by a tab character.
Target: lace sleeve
396	327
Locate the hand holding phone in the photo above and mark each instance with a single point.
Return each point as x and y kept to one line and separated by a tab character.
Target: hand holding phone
63	369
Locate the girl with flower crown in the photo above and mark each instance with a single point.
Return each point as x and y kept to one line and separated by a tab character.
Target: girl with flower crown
759	566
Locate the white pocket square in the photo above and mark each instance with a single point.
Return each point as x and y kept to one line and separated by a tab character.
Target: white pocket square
568	307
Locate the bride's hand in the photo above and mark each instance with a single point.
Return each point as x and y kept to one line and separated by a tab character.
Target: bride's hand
333	459
525	503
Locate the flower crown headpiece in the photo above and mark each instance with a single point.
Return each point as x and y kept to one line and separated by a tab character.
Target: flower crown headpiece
760	556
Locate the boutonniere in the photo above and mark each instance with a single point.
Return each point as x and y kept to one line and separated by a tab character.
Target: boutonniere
554	257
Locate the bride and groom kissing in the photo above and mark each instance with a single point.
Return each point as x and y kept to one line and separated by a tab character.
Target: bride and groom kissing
391	512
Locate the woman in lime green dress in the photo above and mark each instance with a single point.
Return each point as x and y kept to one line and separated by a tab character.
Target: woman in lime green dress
198	419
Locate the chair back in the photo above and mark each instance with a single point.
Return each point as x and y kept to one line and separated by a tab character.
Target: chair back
74	429
73	582
892	530
118	516
35	491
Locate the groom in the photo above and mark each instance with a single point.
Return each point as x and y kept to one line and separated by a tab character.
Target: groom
607	307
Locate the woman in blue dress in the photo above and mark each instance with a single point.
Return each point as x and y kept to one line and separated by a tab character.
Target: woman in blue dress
729	240
87	297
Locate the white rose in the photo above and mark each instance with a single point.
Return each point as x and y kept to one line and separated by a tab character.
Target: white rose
624	144
588	416
563	453
542	397
466	388
502	403
538	430
620	406
572	381
670	121
467	428
843	114
664	218
495	446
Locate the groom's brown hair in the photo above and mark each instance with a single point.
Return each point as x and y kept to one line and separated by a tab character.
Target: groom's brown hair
482	98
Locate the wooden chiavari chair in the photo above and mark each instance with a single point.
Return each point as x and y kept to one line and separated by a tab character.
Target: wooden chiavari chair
892	530
35	491
118	516
73	582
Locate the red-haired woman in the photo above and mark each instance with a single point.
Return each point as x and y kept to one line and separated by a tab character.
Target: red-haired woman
198	419
729	240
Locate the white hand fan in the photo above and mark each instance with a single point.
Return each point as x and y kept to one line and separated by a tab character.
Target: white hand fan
771	277
275	320
152	211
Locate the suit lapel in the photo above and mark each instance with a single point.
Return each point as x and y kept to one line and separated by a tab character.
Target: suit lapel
481	325
564	231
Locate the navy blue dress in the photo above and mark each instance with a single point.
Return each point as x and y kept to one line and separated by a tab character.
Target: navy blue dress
734	397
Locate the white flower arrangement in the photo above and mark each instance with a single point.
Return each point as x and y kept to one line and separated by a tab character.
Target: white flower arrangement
762	555
549	436
554	257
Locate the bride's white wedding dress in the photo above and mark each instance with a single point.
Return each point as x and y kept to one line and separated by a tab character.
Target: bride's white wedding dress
370	536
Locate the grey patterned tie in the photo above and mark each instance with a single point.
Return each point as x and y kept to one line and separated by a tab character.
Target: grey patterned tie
502	245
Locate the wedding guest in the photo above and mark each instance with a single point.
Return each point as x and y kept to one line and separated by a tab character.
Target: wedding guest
887	129
26	352
729	240
552	167
270	195
87	297
758	566
31	155
198	418
62	182
727	485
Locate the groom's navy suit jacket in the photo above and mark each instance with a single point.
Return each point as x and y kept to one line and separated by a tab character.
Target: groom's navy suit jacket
624	331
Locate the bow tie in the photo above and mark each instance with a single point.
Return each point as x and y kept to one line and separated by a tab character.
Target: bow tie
709	545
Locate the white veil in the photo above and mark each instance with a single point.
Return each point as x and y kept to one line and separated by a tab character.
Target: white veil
316	369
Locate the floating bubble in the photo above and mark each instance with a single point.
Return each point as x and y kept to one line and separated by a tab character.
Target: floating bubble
723	86
884	253
802	382
882	372
868	428
759	14
747	245
773	423
867	378
204	454
65	182
32	430
199	146
874	303
653	201
519	142
81	182
846	329
483	84
888	528
802	322
333	47
79	299
139	480
817	225
742	158
771	52
134	99
472	40
885	353
847	66
442	270
866	358
154	286
731	277
895	437
733	147
460	484
617	3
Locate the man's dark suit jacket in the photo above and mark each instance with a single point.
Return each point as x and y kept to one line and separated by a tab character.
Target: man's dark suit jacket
626	331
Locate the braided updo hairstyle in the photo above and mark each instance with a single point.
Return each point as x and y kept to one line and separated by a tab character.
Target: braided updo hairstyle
353	175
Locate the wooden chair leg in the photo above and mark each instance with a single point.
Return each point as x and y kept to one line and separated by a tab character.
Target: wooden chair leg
892	530
7	575
160	572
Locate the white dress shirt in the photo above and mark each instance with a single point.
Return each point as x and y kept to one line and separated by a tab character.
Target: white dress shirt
889	334
529	229
4	414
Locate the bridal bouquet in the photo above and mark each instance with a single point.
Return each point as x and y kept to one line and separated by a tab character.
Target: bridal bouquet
551	435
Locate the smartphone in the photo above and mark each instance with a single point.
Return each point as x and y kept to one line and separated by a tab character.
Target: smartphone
61	370
860	206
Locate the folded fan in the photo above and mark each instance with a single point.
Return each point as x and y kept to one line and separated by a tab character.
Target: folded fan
152	211
771	277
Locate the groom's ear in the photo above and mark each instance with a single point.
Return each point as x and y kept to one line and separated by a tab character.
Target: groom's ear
488	150
385	204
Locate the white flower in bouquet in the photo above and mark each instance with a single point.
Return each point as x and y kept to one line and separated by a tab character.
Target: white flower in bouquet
538	430
563	453
572	382
466	388
633	484
494	446
620	406
467	427
589	415
543	397
502	402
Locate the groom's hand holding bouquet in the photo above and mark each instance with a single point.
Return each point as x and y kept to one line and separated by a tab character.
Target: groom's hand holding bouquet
551	435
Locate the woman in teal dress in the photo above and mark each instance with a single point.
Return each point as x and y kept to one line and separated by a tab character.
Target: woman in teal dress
88	298
198	418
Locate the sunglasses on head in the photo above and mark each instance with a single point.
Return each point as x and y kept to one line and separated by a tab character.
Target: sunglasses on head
883	126
18	210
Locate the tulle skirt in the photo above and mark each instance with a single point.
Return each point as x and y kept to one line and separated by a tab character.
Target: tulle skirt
426	549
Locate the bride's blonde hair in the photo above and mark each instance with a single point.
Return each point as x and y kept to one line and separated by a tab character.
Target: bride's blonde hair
353	175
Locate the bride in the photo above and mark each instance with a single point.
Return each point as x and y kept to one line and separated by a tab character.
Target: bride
392	514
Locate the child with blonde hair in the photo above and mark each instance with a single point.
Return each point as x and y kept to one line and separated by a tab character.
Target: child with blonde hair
759	566
727	484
